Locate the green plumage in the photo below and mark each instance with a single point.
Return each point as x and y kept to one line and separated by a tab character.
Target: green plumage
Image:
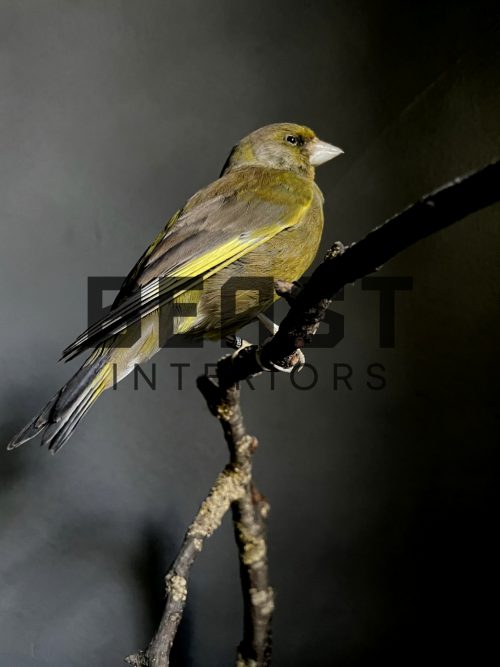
262	218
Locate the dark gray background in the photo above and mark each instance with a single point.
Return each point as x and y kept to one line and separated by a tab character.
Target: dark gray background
383	523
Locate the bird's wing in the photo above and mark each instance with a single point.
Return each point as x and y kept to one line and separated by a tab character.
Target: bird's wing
131	284
217	226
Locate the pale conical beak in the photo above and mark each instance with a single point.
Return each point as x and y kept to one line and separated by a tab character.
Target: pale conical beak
320	152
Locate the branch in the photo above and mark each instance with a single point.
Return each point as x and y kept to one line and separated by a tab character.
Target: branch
342	266
230	485
234	486
249	511
249	520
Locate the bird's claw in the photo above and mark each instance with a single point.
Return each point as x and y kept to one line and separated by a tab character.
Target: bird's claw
235	342
295	361
242	345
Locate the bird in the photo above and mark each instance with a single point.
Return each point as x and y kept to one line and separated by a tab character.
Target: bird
262	218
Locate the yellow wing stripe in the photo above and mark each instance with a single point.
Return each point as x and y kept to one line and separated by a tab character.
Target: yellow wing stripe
209	263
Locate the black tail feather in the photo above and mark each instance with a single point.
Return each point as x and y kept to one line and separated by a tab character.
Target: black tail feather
63	412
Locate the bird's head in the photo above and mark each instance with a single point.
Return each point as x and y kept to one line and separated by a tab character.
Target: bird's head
282	146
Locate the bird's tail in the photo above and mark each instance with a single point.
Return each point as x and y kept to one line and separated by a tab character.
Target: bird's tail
61	415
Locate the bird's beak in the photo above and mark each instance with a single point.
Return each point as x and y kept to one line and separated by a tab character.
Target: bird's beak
320	152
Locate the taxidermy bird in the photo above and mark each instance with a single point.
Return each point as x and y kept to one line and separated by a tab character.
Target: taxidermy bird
263	217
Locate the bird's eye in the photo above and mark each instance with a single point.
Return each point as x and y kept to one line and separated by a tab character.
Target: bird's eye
292	139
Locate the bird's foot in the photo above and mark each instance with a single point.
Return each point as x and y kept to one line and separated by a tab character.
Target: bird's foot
235	342
295	361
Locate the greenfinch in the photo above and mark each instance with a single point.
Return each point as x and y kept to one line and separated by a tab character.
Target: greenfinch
262	218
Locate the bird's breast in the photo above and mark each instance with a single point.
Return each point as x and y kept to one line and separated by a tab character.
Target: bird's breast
237	293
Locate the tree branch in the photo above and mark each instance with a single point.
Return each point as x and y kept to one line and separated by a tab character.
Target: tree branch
249	512
230	485
432	213
249	520
234	487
